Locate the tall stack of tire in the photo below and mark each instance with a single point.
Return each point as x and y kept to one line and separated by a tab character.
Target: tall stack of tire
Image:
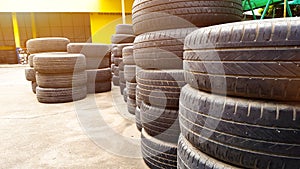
97	65
161	27
130	78
241	104
61	77
124	37
42	45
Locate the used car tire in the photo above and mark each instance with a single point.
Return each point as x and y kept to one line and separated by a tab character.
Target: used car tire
124	29
130	73
30	74
99	75
98	87
122	38
49	44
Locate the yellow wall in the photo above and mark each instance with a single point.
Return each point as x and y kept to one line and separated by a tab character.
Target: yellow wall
114	6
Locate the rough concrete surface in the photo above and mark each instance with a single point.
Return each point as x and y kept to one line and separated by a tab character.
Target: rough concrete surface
96	132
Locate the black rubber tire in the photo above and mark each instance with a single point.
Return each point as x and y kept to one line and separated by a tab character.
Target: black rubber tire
117	50
189	158
130	73
59	63
138	97
160	49
253	59
127	54
158	154
60	95
122	87
122	77
98	63
131	90
99	75
118	61
33	87
156	15
30	60
161	87
245	133
116	71
122	38
131	105
160	123
30	74
66	80
138	122
124	29
51	44
116	80
98	87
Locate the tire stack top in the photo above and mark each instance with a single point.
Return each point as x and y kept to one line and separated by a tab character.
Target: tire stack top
97	65
42	45
124	37
161	27
241	104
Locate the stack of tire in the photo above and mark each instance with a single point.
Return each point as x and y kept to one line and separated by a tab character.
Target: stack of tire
42	45
124	37
241	105
130	78
97	65
161	27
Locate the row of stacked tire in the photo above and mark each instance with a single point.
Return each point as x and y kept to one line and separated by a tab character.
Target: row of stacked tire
194	82
58	69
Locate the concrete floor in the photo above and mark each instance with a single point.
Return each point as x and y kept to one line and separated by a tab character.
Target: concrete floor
96	132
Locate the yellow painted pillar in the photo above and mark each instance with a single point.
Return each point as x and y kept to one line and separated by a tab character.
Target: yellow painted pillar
16	30
33	27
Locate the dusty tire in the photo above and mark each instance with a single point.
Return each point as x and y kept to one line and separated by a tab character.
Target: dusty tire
130	73
97	63
138	119
116	80
261	61
116	71
122	77
118	61
122	38
122	87
160	49
99	75
131	105
158	154
98	87
60	95
131	90
156	15
241	132
160	123
138	97
67	80
127	54
51	44
125	95
161	88
30	60
124	29
117	50
190	157
30	74
59	63
33	87
121	65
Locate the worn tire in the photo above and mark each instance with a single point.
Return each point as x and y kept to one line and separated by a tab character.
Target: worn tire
60	95
90	50
245	133
121	65
33	87
124	29
160	123
138	97
116	71
122	38
127	54
138	122
116	80
99	75
131	90
253	59
98	63
117	50
130	73
158	154
118	61
131	105
161	87
59	63
98	87
125	95
122	87
156	15
30	60
30	74
160	49
66	80
189	157
51	44
122	77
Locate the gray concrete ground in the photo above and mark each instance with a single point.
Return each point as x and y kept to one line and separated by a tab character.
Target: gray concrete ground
96	132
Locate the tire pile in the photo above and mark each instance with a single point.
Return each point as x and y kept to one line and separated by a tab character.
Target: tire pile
97	65
124	37
161	27
241	105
